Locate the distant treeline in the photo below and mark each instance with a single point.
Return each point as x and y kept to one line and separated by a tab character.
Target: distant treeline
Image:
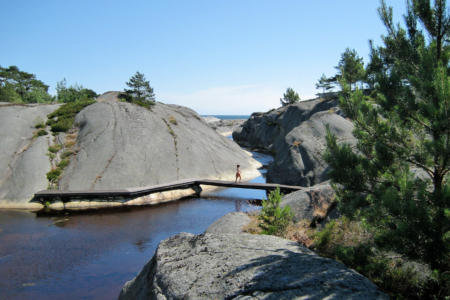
17	86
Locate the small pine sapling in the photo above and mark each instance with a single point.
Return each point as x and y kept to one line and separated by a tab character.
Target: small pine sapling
274	218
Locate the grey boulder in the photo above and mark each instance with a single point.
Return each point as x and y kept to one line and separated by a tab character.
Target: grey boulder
299	159
312	204
232	266
263	130
231	223
295	134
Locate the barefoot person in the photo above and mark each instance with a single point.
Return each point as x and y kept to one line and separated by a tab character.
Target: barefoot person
238	173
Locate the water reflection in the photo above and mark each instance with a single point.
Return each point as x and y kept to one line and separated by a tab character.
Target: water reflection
91	254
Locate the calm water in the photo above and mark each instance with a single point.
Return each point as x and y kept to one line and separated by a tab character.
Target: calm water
90	255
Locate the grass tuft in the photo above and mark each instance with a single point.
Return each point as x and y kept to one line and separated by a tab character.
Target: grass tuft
173	120
55	148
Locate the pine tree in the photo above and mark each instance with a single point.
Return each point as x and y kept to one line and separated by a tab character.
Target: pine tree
324	83
397	178
140	89
290	97
274	218
350	67
16	85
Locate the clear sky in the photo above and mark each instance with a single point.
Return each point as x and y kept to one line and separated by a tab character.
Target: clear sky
216	57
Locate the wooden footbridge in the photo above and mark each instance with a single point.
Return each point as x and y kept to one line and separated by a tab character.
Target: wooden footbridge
177	185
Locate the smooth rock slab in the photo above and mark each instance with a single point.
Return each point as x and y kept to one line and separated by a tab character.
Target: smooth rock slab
231	223
207	266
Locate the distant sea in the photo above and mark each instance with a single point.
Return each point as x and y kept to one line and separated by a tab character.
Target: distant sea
224	117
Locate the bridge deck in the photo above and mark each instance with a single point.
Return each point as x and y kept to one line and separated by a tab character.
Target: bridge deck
181	184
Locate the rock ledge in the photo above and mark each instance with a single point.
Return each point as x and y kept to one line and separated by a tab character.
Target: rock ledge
232	266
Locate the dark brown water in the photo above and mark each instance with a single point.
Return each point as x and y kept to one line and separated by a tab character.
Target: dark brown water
90	255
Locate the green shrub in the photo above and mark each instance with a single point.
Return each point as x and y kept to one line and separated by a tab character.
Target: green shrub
399	281
67	154
40	133
147	104
50	122
54	174
51	155
55	148
62	125
274	218
129	98
63	163
123	97
66	115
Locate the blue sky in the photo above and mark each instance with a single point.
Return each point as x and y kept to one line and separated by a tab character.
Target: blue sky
216	57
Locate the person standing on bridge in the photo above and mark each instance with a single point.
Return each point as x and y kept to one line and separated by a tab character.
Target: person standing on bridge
238	173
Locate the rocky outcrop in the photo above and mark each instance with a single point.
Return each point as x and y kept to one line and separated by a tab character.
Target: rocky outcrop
231	223
23	163
130	146
117	145
295	134
243	266
224	127
312	204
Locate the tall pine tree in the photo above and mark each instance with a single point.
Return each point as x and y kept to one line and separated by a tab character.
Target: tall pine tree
397	178
139	88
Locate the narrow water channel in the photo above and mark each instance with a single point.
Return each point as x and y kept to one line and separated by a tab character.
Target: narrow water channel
90	255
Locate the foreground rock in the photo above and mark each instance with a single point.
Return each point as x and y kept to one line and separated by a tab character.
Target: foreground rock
295	134
23	163
116	145
188	266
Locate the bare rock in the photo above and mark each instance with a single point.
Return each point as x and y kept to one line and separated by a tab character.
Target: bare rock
312	204
231	223
262	130
299	159
118	145
211	119
23	163
232	266
122	145
295	134
225	127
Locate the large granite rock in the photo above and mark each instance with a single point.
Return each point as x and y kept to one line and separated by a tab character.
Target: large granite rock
299	158
244	266
295	134
124	145
23	163
262	130
231	223
118	145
